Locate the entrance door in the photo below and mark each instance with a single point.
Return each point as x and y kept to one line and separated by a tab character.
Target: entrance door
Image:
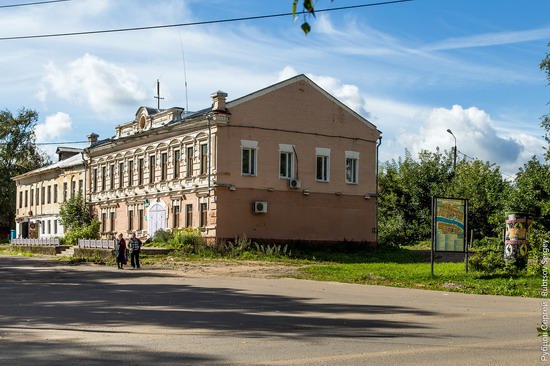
25	230
156	218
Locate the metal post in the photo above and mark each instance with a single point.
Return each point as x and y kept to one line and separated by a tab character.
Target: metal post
377	201
454	150
467	249
209	118
433	236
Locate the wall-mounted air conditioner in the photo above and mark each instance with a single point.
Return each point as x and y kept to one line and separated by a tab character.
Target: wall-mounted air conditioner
260	207
294	183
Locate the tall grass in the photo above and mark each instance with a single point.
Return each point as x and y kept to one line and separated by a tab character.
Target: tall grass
190	241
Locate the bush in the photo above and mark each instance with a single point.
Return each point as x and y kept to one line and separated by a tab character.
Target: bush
243	246
90	231
489	256
162	236
188	240
391	233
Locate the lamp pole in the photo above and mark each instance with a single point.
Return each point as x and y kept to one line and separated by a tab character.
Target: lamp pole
454	155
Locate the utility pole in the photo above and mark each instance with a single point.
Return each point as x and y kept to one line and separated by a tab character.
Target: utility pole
454	150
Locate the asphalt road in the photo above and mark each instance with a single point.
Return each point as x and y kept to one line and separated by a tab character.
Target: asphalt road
54	314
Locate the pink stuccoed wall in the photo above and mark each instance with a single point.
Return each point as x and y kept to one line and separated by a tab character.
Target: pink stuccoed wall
294	216
296	114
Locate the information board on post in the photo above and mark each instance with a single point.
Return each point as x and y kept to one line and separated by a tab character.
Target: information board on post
450	224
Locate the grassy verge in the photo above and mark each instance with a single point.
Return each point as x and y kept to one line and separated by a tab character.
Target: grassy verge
447	277
5	249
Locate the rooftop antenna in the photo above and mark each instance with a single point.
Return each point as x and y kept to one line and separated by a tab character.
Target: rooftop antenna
184	75
157	97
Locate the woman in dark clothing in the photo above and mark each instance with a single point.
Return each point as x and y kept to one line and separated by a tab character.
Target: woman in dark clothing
120	252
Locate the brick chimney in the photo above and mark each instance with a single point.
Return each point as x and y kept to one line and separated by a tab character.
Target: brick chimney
218	101
92	138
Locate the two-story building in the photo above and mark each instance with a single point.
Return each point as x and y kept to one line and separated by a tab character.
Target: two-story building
288	162
40	193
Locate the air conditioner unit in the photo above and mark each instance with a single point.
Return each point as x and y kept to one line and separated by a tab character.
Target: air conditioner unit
294	183
260	207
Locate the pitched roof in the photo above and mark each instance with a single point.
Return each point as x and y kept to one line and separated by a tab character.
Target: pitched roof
292	80
63	164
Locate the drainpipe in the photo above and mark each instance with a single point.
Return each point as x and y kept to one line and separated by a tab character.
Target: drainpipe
209	118
377	163
85	175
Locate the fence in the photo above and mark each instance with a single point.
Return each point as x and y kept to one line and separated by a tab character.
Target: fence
46	242
102	244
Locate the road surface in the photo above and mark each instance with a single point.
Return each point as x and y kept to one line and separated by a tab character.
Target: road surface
55	314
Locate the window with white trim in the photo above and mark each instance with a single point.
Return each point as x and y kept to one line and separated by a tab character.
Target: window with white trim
248	157
286	161
189	162
352	167
204	159
322	166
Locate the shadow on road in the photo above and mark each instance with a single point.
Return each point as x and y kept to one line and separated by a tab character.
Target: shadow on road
39	294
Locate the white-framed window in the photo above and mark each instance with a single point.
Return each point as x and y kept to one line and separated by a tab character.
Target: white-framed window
286	161
189	161
322	166
352	167
204	158
249	159
176	157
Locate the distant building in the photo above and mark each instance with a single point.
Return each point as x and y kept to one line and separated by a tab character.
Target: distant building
40	193
288	162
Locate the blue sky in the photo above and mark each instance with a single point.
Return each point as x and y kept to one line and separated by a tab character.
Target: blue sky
414	69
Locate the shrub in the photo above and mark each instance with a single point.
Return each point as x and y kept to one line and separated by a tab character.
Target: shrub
188	240
162	236
90	231
488	258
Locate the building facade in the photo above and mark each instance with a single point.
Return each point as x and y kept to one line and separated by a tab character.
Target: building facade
41	192
288	162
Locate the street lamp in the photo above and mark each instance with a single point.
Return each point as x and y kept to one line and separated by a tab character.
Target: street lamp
454	161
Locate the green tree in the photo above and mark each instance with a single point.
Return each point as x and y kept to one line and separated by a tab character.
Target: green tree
75	213
531	192
406	188
78	219
18	154
483	186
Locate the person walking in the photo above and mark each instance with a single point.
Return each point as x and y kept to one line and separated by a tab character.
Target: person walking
135	246
120	252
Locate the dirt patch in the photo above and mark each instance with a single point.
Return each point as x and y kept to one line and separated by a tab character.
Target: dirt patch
199	268
229	268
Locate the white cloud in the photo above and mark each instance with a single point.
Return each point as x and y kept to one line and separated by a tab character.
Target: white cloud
89	80
489	39
476	136
348	94
286	73
54	127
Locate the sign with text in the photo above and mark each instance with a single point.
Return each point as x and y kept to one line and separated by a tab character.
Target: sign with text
450	218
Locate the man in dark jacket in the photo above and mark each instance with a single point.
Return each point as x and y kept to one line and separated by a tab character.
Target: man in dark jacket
135	247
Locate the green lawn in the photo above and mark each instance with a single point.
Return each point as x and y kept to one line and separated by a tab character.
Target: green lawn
447	277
